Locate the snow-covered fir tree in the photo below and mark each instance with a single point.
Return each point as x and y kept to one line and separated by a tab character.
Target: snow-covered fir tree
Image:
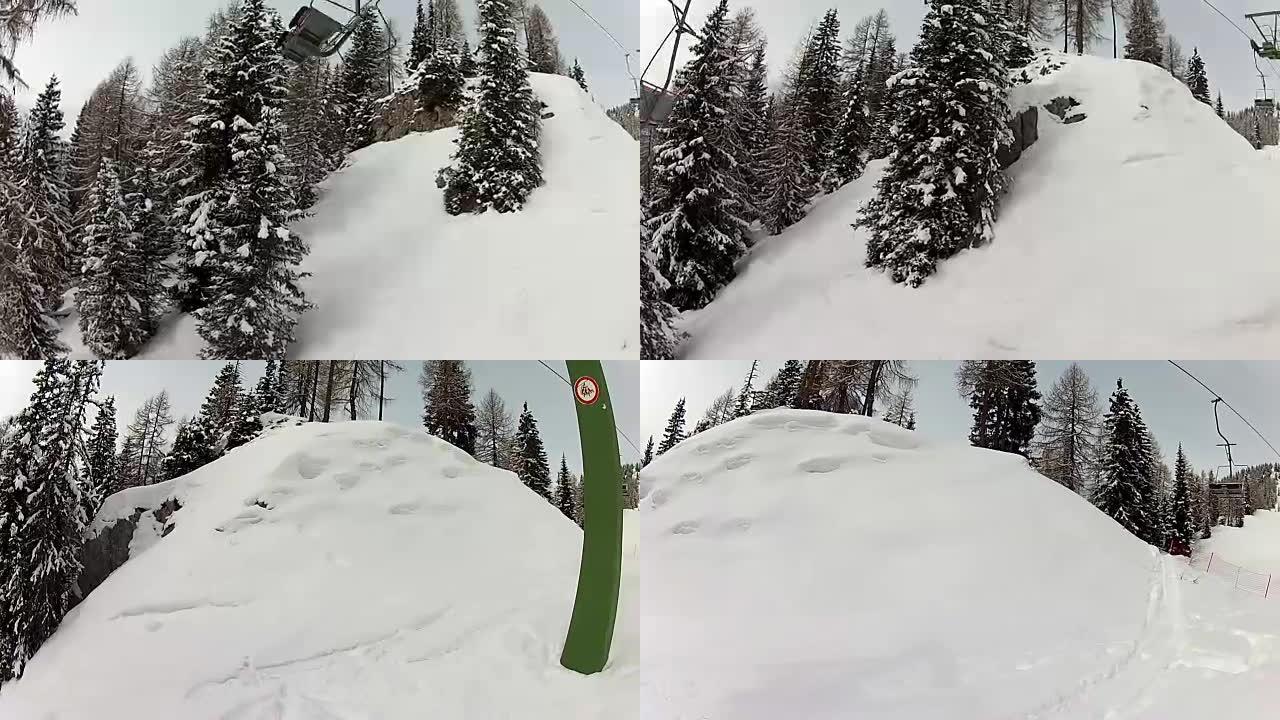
42	169
193	448
781	389
817	91
534	472
100	461
579	76
304	141
421	42
1005	402
246	420
750	124
1217	107
1125	490
939	192
448	412
362	81
1067	441
674	433
658	336
696	223
1181	529
113	288
791	183
1142	39
648	453
42	514
151	235
564	490
1196	78
240	258
267	391
498	161
851	141
439	78
218	411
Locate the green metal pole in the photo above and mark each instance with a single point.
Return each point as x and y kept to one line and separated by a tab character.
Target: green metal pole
586	649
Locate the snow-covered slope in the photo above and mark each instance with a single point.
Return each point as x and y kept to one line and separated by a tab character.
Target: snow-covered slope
394	275
810	565
1255	546
354	570
1144	229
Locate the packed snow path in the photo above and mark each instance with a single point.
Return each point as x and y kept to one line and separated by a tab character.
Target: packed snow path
1145	229
334	572
805	564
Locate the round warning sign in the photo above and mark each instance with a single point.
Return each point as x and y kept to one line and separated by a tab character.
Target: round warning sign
587	390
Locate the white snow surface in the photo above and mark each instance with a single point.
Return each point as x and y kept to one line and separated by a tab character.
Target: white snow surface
394	275
1256	546
810	565
388	576
1139	231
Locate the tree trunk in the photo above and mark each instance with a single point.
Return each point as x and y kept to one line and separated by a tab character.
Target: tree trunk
315	385
382	385
353	390
328	392
1066	24
869	400
1115	46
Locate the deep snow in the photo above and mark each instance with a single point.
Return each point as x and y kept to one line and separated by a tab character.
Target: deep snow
1256	546
393	275
811	565
326	571
1142	230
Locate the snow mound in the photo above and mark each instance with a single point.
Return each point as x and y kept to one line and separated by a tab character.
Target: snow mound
353	570
806	564
1140	230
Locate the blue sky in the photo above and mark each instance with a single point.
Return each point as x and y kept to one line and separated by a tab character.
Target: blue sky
550	400
1176	409
1228	58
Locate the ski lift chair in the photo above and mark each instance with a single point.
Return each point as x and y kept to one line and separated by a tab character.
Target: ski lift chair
313	34
1265	101
1267	24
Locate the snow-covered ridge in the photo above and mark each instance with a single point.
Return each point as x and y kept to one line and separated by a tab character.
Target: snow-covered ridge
1139	229
353	569
806	564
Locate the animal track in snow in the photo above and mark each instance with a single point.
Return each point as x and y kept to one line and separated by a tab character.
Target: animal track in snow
737	461
820	464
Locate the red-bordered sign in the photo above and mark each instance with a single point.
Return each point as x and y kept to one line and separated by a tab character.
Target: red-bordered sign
586	390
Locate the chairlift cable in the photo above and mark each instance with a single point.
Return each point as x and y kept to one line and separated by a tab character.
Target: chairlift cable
1229	407
565	380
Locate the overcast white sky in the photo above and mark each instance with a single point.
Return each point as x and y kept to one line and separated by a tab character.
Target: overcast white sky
188	381
1227	54
1176	409
82	49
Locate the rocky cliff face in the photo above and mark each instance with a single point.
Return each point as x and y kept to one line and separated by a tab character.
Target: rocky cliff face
401	116
109	549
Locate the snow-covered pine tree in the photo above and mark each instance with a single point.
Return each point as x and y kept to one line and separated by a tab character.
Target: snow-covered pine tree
237	265
267	391
1182	530
658	336
1016	35
579	76
1005	402
1196	78
497	162
675	429
42	160
791	183
218	412
439	79
193	448
446	23
361	81
1067	442
467	62
696	221
1142	39
240	228
751	130
534	472
448	413
1217	107
816	95
304	139
246	421
112	285
851	140
648	453
43	483
111	126
564	490
1124	490
746	397
542	48
939	192
421	42
100	463
781	389
152	233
